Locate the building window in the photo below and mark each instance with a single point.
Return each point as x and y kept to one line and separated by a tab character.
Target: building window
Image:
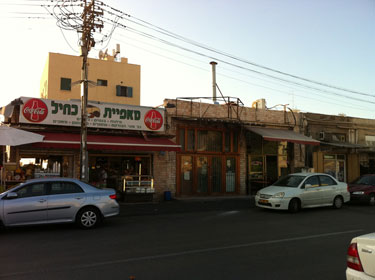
102	83
191	139
182	139
370	140
65	84
339	138
209	141
198	140
124	91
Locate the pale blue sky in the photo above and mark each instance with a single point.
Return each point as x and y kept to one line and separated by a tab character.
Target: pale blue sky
330	41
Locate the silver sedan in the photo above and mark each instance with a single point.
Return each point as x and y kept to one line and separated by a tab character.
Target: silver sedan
57	200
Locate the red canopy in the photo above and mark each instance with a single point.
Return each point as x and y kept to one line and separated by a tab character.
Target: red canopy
106	142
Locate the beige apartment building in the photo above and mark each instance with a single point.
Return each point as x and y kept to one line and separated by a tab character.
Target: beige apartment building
113	79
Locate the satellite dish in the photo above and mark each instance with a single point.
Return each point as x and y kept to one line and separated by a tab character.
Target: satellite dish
101	54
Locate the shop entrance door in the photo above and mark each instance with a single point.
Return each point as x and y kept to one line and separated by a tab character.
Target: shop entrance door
335	165
202	174
186	175
209	174
271	169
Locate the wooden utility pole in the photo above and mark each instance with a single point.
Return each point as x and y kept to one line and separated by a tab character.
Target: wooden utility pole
89	24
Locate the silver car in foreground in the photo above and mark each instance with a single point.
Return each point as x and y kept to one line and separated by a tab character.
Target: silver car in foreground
303	190
57	200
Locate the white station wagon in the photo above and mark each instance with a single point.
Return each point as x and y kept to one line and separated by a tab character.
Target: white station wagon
303	190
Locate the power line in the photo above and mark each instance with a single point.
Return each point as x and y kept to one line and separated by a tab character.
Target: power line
235	65
115	23
176	36
253	84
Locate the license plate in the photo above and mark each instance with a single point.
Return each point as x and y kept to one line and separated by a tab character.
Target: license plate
263	201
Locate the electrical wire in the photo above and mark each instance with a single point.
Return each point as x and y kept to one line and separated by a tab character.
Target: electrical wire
176	36
60	10
253	84
235	65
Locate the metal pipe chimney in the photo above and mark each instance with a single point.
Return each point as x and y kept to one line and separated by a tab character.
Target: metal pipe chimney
213	63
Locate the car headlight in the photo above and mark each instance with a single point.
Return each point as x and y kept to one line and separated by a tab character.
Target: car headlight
358	192
278	195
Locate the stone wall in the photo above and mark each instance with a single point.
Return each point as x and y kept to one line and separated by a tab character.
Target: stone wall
232	112
164	164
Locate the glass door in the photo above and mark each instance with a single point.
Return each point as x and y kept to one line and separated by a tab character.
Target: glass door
341	168
202	174
335	165
207	174
230	175
186	175
216	175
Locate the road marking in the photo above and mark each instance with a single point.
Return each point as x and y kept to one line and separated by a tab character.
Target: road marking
228	213
182	253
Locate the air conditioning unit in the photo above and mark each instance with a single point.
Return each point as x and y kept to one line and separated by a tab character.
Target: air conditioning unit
321	135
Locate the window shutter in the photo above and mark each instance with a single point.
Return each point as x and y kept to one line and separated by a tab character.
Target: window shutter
118	90
129	92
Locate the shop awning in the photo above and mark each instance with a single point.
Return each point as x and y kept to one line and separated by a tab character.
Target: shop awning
273	134
343	145
106	142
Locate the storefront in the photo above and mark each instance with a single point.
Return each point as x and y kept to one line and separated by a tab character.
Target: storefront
208	163
340	160
127	160
271	153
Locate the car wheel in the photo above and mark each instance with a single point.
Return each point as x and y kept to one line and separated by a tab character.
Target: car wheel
88	218
372	199
294	205
338	202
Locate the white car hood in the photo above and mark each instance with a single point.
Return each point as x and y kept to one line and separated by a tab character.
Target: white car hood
271	190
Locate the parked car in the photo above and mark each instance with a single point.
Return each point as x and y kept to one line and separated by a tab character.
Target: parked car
363	189
57	200
361	258
303	190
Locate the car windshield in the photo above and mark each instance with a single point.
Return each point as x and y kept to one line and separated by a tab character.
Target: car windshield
363	180
291	181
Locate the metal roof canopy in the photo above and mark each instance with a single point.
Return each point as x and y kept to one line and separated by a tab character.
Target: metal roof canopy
343	145
273	134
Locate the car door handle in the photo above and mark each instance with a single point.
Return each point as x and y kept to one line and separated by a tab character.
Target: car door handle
78	198
42	200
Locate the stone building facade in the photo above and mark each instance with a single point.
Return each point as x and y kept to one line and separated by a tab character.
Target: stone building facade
226	146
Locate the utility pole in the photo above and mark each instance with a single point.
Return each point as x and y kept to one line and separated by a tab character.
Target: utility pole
89	25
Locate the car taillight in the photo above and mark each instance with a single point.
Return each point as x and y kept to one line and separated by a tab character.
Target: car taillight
113	196
352	259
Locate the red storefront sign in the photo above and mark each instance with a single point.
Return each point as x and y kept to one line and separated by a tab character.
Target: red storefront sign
153	120
35	110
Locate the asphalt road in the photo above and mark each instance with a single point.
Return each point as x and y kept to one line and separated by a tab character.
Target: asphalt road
249	243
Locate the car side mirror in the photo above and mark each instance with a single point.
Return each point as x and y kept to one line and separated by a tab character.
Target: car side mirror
12	195
308	186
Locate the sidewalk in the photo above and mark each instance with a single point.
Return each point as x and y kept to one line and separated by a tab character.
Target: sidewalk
185	205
